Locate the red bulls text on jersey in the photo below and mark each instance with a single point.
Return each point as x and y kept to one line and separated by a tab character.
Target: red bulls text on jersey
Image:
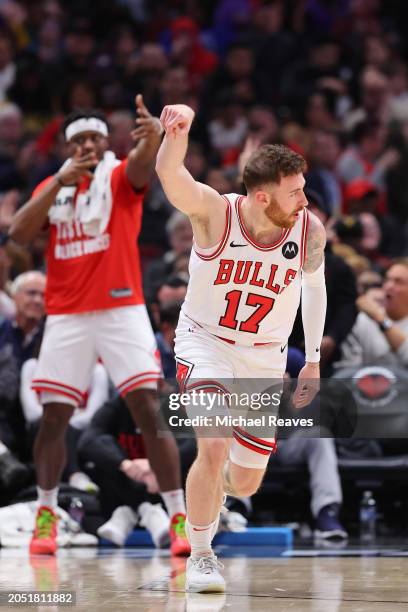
243	291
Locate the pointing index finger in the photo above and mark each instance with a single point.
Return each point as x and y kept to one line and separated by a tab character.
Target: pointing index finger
141	107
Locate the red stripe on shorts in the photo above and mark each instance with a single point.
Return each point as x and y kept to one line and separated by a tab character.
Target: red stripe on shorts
133	386
57	384
209	385
254	438
136	376
57	391
251	447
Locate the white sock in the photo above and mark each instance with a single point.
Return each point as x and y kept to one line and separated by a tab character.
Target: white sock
200	537
48	497
3	448
174	501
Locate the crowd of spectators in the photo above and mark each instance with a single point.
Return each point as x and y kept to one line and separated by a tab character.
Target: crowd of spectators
329	79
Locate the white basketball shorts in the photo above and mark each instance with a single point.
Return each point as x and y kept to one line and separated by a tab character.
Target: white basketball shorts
209	363
122	338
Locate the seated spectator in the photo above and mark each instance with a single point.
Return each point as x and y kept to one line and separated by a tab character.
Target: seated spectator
112	453
180	238
380	333
19	340
319	453
172	290
326	495
24	332
380	338
32	409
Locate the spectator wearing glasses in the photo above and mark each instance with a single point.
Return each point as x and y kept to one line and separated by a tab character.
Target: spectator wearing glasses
24	332
19	340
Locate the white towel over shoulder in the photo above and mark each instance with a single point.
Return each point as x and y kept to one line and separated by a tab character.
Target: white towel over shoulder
94	206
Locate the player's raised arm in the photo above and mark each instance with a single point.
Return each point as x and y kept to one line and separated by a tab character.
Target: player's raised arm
147	136
186	194
314	303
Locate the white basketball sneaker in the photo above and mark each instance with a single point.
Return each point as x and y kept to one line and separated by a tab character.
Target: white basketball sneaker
203	576
119	526
157	522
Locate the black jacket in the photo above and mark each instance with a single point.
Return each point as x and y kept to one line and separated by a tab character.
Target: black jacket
341	303
111	437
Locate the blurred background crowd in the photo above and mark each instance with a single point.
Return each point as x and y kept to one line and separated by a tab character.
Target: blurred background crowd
327	78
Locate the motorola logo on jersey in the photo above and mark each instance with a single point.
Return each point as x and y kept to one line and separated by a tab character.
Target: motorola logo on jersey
290	250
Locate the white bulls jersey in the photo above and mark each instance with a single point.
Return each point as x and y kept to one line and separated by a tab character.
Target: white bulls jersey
243	291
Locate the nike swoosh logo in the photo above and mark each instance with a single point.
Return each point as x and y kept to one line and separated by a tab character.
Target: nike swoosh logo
232	244
195	529
283	347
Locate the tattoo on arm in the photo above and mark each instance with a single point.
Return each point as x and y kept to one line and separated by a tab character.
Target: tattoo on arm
316	241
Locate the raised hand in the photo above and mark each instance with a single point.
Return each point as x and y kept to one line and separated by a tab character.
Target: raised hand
252	143
368	303
146	124
176	119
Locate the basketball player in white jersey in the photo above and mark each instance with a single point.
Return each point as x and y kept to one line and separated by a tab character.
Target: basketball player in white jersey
251	260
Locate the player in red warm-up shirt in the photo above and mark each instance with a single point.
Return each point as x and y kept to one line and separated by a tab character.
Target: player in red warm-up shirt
95	305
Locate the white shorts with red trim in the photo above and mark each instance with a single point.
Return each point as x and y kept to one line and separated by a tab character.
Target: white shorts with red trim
208	363
121	337
250	451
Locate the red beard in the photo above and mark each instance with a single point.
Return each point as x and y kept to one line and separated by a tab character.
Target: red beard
278	217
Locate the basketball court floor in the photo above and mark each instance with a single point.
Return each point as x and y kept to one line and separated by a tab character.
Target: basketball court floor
305	580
